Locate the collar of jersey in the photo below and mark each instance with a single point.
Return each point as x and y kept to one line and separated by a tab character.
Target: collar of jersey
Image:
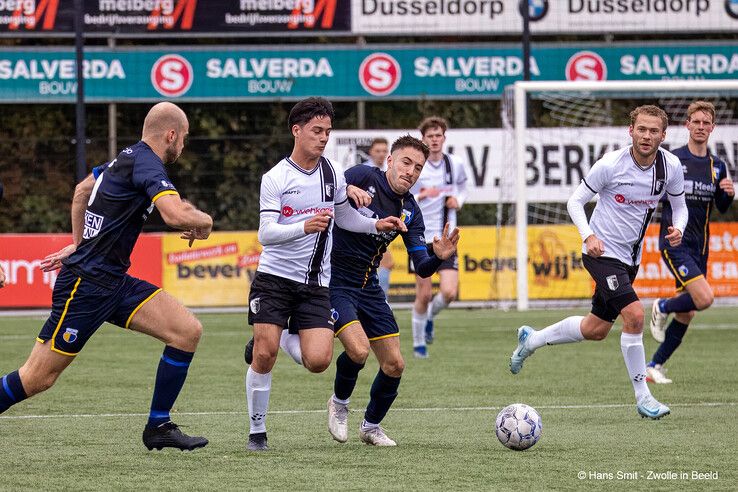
301	169
630	151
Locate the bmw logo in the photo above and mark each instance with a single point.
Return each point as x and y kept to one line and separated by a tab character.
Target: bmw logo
731	7
537	9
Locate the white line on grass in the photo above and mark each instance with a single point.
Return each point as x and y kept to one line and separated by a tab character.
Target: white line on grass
420	409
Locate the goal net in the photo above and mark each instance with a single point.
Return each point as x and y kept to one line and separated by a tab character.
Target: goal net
556	132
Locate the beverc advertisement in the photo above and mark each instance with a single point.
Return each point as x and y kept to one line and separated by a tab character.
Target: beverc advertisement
27	286
216	272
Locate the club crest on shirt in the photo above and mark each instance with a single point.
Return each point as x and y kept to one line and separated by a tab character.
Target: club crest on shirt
255	305
329	191
659	186
371	191
612	282
93	224
70	335
334	317
406	216
683	270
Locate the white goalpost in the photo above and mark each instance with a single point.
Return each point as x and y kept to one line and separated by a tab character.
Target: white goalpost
584	106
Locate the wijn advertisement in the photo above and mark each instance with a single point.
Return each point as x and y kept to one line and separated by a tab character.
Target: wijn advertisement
176	17
342	72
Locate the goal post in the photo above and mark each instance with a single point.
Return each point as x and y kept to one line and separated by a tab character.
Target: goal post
598	96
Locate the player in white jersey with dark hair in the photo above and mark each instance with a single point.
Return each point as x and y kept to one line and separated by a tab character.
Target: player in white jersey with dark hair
440	191
299	199
630	182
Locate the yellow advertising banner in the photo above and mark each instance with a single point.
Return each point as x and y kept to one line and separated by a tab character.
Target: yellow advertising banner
216	272
487	265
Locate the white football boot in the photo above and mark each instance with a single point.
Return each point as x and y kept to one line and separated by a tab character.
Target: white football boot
375	437
658	322
338	420
657	375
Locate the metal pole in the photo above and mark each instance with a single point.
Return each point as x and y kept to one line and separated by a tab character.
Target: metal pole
361	105
79	44
525	10
521	200
112	121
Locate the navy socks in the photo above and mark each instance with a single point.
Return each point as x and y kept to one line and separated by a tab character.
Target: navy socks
347	372
170	378
11	391
382	395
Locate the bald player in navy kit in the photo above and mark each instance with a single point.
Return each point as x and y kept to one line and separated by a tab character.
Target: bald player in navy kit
108	212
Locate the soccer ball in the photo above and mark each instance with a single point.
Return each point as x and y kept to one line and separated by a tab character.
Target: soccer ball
518	426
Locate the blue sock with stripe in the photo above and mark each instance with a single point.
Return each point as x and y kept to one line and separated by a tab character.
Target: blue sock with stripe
170	378
11	391
674	335
680	304
382	395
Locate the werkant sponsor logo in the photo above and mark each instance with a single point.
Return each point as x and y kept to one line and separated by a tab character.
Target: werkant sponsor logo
289	211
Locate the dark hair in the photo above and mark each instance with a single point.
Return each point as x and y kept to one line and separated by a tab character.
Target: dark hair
433	122
378	140
410	141
309	108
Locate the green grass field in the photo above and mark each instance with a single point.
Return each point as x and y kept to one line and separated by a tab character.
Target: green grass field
85	433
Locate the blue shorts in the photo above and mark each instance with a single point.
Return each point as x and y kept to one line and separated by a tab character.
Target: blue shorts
686	265
80	306
368	306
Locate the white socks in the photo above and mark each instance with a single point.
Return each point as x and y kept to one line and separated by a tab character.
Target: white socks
419	321
565	331
290	343
258	387
635	361
436	305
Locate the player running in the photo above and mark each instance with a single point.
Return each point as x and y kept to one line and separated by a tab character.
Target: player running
630	182
364	319
706	181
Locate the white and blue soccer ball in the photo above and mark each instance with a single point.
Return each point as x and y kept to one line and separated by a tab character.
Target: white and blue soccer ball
518	426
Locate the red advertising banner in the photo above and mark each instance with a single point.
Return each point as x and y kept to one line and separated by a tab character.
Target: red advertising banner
176	17
655	279
26	286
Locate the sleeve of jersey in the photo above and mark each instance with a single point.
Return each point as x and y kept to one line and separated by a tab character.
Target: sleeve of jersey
722	199
425	264
348	218
461	179
98	170
575	206
340	188
675	192
271	232
151	177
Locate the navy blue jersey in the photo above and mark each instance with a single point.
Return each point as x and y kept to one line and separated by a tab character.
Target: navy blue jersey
356	256
121	201
702	176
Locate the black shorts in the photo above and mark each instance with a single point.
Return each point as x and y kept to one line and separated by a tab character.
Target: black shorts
451	263
80	306
614	285
368	306
278	300
686	265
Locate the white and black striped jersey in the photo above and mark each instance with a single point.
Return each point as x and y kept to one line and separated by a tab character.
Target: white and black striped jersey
293	194
449	177
629	195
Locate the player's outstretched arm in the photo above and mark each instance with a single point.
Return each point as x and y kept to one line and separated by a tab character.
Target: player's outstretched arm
181	214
